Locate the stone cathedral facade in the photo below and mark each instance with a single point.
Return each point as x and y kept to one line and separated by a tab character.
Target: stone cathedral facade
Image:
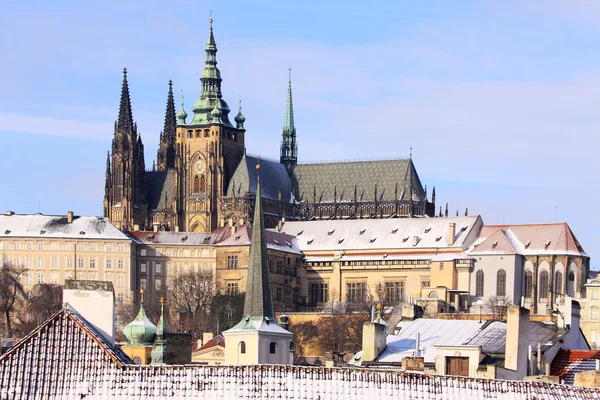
203	177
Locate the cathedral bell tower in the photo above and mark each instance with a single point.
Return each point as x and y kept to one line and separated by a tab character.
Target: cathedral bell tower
207	150
125	198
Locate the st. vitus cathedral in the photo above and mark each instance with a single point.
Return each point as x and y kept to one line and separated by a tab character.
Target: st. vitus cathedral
203	177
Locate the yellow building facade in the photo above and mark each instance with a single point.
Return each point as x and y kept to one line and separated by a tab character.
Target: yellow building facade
53	248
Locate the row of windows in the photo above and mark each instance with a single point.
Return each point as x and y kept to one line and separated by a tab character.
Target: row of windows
198	133
543	284
28	262
61	246
40	278
368	262
169	269
177	253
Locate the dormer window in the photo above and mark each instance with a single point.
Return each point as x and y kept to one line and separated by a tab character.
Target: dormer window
427	229
416	240
547	244
299	233
276	241
372	240
82	232
362	231
405	239
527	244
309	241
437	239
394	230
330	232
340	241
464	228
42	232
495	244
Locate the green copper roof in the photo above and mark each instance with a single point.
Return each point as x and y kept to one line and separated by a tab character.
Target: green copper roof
258	302
141	331
239	118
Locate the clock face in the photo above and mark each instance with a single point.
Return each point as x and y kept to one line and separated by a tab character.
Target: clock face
199	167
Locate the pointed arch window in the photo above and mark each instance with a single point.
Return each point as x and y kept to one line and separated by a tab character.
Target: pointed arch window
528	285
501	283
558	282
479	283
543	287
196	185
571	284
202	184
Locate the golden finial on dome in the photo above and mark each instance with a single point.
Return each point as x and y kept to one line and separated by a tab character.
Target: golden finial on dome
210	19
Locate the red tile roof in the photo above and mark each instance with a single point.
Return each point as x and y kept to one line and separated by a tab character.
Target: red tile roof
568	362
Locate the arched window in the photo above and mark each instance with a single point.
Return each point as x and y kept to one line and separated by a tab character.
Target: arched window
479	283
558	283
202	184
137	360
433	295
242	347
594	313
571	284
196	185
528	285
543	287
273	348
501	283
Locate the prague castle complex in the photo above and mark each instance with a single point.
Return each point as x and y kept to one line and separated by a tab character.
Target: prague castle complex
203	177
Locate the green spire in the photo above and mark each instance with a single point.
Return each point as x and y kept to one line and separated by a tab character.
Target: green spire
258	302
159	352
211	88
289	147
140	331
288	124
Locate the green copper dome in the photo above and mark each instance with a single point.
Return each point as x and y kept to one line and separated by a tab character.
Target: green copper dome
181	115
141	331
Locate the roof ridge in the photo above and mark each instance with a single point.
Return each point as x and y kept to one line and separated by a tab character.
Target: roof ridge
355	160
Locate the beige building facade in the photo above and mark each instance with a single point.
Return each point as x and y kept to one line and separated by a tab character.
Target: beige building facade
391	260
54	248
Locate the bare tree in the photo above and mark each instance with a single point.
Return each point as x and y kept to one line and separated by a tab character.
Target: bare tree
305	334
11	291
46	300
497	306
191	297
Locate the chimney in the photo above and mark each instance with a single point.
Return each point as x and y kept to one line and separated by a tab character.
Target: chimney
94	301
70	217
206	336
374	340
517	340
451	233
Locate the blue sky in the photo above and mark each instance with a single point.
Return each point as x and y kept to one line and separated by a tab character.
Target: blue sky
499	100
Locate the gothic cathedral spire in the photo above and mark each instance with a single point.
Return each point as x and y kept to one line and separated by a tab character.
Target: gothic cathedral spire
125	121
125	198
289	147
165	159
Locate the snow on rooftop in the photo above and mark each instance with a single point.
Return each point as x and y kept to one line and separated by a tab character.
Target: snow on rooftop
381	233
433	332
57	226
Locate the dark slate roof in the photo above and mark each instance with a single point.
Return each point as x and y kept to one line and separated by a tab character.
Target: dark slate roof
160	188
364	174
273	176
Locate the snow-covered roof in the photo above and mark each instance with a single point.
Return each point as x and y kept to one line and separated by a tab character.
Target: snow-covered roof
63	358
181	238
527	239
433	332
396	233
57	226
275	240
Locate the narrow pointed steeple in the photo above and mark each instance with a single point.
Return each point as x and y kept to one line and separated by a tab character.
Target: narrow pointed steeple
159	352
289	147
166	148
258	302
108	176
125	121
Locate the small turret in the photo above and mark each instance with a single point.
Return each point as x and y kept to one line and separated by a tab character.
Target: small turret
181	115
141	331
239	118
159	352
216	112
